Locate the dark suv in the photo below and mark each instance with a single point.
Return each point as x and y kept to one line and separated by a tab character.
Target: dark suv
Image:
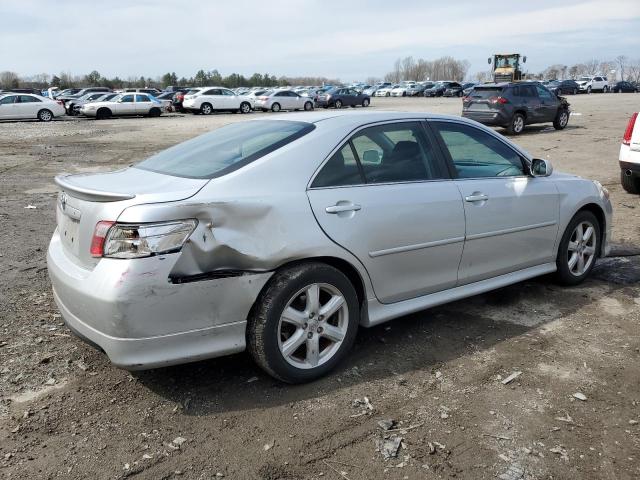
514	105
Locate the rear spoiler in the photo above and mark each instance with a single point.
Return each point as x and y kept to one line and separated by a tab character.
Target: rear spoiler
84	193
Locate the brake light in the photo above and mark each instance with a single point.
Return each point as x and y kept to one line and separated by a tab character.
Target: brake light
60	102
99	234
500	100
264	98
626	139
466	99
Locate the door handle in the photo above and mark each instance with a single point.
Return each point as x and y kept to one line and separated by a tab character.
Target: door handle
476	197
349	207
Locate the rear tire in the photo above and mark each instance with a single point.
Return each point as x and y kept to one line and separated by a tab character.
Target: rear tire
206	109
366	102
308	106
45	115
338	104
566	274
292	290
588	89
630	183
561	120
154	112
516	126
575	91
245	107
275	107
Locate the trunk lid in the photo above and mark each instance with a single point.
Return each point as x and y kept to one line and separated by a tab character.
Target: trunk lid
86	199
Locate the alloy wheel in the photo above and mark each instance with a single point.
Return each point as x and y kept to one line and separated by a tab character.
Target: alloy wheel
518	124
581	250
313	326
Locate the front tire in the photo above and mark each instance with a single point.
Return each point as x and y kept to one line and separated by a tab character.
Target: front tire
588	89
366	102
303	323
308	106
45	115
516	126
578	249
103	114
561	120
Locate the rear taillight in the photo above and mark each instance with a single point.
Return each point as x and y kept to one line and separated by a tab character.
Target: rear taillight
466	99
500	100
626	140
60	102
264	98
99	235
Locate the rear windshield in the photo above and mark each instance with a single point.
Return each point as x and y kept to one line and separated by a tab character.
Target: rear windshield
485	93
226	149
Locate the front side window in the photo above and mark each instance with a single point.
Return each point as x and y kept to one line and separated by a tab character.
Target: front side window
7	100
225	149
396	152
543	93
478	154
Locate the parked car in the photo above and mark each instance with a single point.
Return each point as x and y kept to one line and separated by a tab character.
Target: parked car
276	100
630	156
150	91
562	87
342	97
34	91
66	92
624	87
595	83
125	104
103	97
71	104
469	89
207	100
26	106
230	241
514	105
404	90
454	89
371	91
438	89
386	90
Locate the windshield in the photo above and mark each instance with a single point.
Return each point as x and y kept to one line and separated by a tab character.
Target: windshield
485	93
226	149
506	62
585	79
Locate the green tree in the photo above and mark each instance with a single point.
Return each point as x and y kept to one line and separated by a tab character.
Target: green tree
55	81
93	79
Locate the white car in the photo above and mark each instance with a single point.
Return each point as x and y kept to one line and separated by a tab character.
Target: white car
14	106
595	83
630	156
386	91
405	90
124	105
207	100
276	100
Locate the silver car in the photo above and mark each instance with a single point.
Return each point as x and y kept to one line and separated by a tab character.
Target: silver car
283	236
276	100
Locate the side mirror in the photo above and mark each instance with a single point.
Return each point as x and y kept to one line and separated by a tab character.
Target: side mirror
524	59
489	61
541	168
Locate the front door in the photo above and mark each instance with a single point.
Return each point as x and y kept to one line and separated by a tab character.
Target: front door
549	104
511	217
385	196
126	105
8	108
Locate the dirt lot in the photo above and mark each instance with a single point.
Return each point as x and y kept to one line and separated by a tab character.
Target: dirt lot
66	412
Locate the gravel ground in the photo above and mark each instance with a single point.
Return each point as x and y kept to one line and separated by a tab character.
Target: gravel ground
435	377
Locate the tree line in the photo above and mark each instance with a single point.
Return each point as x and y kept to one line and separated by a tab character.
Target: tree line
443	68
202	78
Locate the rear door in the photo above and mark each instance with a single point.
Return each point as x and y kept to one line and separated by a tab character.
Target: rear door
8	107
29	106
511	217
385	195
229	100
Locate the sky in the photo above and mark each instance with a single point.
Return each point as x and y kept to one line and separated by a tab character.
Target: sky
349	40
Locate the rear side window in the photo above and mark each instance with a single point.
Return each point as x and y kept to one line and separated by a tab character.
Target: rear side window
341	169
226	149
477	154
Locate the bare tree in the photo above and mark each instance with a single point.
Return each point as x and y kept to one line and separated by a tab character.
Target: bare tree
9	79
633	70
591	67
622	61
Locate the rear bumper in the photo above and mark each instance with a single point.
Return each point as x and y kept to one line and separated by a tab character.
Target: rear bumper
631	169
134	314
486	118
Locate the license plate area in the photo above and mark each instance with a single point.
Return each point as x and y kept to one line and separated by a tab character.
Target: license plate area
69	228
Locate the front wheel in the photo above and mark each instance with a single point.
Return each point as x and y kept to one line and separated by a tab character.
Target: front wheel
578	249
575	91
588	89
517	124
561	120
245	107
308	106
303	323
45	115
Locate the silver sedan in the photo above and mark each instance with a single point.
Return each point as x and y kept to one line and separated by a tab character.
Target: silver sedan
283	236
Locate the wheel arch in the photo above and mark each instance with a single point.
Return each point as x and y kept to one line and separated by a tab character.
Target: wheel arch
598	212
